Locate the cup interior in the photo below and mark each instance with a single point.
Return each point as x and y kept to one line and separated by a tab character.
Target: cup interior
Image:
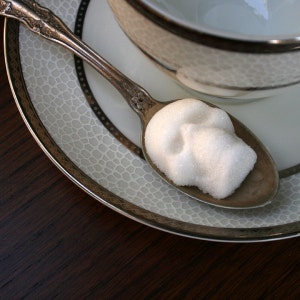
262	19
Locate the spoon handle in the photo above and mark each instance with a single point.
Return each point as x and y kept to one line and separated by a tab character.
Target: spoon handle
45	23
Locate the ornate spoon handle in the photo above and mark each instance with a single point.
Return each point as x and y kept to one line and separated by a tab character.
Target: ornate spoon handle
46	24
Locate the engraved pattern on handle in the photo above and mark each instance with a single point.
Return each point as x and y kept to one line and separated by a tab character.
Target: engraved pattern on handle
140	101
45	23
35	17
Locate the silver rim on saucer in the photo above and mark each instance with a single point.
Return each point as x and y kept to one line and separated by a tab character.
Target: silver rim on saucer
102	194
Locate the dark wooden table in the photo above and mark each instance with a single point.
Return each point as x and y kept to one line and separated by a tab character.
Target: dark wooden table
59	243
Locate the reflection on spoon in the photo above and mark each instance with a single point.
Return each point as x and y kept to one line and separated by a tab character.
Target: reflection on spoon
259	187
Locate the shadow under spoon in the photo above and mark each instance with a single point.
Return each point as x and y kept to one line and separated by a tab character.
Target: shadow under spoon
259	187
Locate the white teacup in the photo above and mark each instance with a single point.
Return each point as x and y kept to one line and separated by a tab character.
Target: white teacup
244	49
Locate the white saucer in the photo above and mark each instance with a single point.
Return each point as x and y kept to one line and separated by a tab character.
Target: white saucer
56	112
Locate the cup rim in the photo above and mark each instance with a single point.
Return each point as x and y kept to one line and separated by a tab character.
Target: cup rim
211	38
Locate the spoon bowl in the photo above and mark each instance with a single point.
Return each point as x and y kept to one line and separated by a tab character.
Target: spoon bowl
259	187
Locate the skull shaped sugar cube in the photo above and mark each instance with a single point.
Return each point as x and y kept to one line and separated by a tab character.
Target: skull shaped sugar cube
195	145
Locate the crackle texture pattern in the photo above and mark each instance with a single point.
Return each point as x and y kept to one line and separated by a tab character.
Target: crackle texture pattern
55	93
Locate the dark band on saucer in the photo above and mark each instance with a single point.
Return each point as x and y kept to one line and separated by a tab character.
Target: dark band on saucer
79	67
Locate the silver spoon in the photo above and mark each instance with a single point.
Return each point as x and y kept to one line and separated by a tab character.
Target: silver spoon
260	186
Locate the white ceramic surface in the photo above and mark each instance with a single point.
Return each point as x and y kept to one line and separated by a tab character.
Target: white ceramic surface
54	91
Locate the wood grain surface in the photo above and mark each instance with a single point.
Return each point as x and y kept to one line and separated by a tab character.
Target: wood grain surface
59	243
